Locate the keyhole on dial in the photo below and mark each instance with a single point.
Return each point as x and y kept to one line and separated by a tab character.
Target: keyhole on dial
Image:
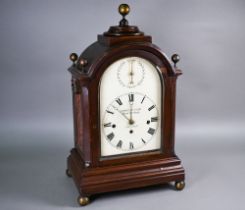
131	131
148	121
113	126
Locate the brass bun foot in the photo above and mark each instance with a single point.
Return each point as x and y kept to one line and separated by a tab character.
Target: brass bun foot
179	185
83	201
68	173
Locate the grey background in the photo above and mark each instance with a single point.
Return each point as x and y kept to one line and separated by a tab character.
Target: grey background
36	133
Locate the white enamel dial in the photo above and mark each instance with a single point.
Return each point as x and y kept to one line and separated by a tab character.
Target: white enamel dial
130	107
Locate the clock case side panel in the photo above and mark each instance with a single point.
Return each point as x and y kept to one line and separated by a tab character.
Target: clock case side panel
81	101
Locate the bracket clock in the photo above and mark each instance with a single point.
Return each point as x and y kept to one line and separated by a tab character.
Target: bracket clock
124	114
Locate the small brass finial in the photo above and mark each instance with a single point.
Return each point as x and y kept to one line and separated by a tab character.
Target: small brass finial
175	58
123	9
83	62
73	57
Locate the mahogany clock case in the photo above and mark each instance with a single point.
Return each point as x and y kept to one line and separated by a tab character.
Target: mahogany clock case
95	174
91	172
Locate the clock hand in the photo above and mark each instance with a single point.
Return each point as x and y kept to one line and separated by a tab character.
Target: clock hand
131	121
131	102
131	73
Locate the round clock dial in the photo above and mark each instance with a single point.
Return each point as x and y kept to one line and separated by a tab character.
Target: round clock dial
130	73
130	121
130	107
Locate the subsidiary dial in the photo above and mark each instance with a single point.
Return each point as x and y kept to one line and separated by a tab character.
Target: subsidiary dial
130	121
130	72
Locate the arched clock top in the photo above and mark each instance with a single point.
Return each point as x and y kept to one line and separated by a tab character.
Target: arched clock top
97	57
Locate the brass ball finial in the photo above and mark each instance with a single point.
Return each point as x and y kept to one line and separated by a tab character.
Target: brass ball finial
123	9
175	58
73	57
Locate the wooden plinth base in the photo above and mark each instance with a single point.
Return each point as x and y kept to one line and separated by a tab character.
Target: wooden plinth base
91	181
